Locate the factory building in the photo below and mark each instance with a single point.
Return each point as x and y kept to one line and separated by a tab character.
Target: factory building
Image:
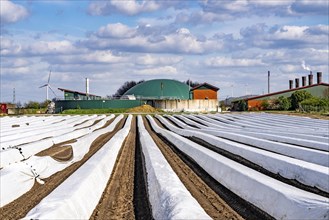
318	90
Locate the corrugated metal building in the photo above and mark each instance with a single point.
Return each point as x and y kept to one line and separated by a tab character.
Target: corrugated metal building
318	90
75	95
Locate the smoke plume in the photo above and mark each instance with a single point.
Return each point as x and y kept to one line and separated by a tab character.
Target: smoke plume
305	67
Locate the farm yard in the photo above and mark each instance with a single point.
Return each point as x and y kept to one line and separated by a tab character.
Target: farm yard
181	166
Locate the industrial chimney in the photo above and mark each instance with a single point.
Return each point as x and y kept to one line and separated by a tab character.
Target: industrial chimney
310	79
291	84
319	77
297	82
303	81
87	87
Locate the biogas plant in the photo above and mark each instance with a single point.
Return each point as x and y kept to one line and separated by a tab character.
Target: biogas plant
166	94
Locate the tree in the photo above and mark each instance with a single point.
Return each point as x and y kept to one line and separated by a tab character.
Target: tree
126	86
326	93
265	105
299	96
32	105
242	105
283	103
315	104
192	84
44	104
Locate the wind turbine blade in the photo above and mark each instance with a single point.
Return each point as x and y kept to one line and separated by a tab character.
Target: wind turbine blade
49	76
43	86
52	90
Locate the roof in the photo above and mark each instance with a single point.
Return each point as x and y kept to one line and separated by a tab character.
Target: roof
288	90
207	85
160	89
80	93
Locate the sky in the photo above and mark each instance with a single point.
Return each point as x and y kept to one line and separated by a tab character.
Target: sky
231	44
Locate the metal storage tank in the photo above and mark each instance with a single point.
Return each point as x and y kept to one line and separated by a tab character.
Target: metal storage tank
163	89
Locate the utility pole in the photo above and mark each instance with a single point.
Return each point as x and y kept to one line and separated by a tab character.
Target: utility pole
14	96
268	81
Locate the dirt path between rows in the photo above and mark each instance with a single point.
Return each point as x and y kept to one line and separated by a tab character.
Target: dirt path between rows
22	205
214	206
117	199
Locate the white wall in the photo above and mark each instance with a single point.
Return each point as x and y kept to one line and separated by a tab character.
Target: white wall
195	105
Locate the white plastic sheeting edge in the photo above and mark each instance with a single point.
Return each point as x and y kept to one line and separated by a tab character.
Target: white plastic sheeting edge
320	144
278	199
78	195
306	154
167	194
18	178
13	155
305	172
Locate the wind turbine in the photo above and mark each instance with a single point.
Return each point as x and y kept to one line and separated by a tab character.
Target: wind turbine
47	85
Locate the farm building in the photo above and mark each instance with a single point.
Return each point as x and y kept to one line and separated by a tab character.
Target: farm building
7	108
204	91
75	95
166	94
320	89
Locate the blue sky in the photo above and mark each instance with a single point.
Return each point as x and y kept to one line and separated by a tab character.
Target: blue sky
228	43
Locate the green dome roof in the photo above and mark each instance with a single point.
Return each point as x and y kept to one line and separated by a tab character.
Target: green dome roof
160	89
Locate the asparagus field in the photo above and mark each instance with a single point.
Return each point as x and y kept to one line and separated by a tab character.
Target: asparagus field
183	166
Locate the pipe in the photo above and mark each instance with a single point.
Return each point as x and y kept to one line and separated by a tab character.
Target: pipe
87	87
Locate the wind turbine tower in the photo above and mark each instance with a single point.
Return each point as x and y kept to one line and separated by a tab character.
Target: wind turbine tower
47	85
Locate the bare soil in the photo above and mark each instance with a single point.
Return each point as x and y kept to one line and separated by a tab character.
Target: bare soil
117	199
61	151
22	205
143	109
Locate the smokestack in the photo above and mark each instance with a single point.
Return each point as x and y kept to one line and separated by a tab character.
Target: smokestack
291	84
297	82
268	81
310	79
303	81
319	77
87	87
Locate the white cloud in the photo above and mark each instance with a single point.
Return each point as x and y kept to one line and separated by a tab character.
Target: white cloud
157	71
117	30
152	40
154	60
86	58
9	47
287	36
135	7
11	12
131	7
289	33
230	62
